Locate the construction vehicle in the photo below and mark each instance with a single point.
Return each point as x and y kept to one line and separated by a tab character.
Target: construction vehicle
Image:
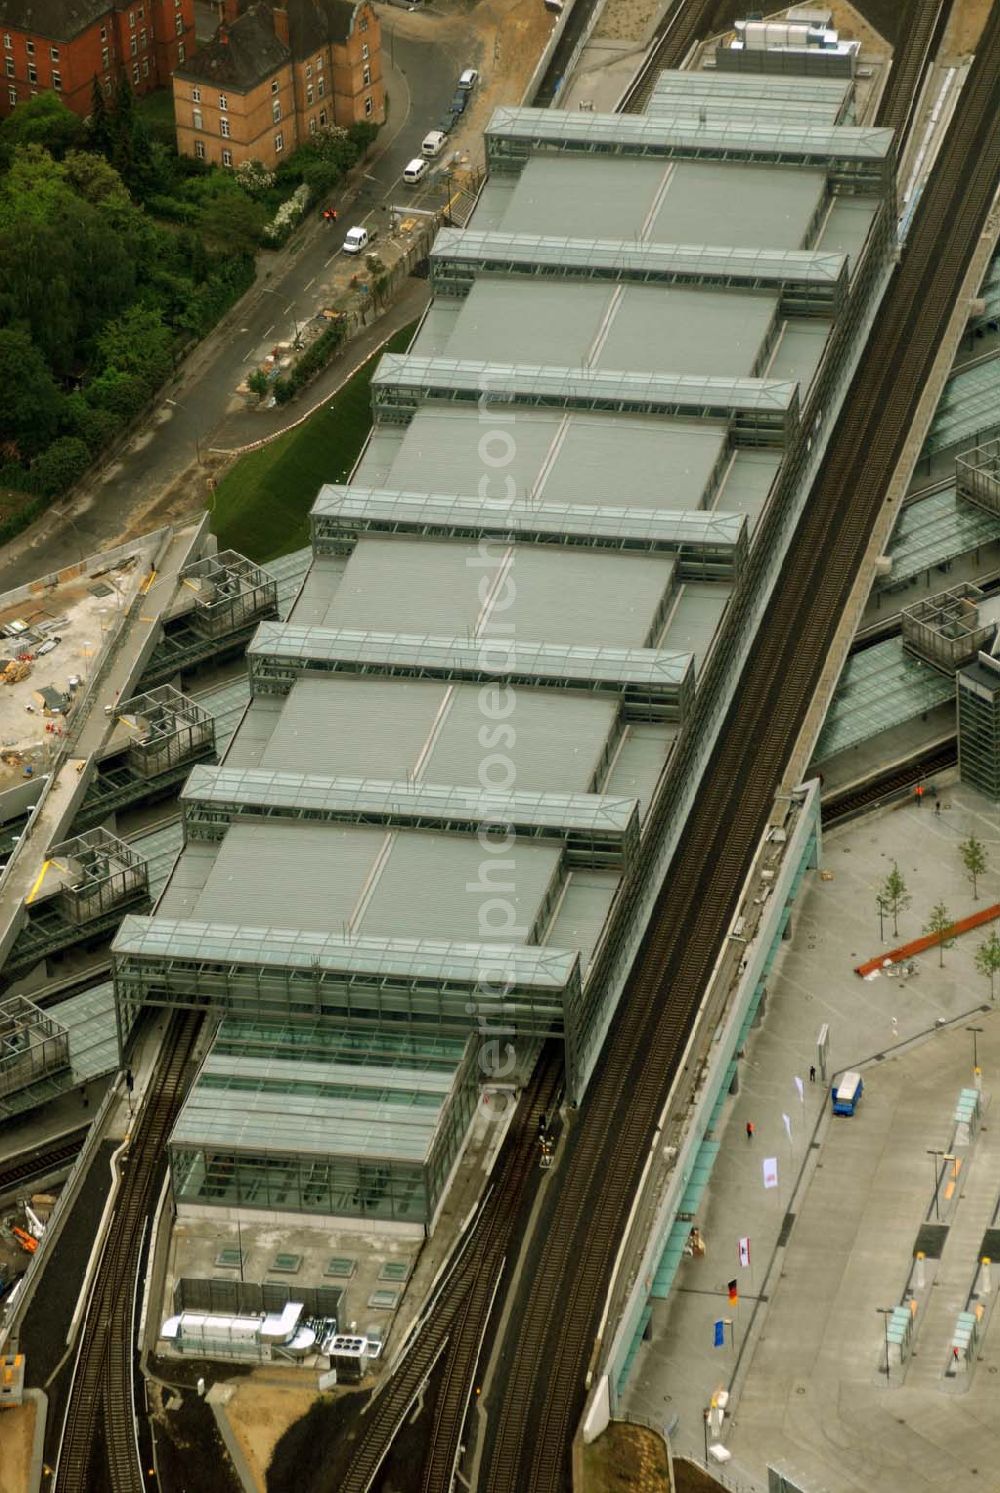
27	1243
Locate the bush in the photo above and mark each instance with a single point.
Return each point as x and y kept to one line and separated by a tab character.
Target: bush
288	214
96	427
213	299
172	208
124	394
254	178
58	467
315	357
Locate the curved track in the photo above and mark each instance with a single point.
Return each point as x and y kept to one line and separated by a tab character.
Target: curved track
31	1166
457	1316
100	1408
563	1285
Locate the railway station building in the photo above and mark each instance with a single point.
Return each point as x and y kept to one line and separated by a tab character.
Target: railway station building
472	744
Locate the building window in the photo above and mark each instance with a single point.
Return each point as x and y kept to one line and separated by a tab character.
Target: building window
133	45
32	73
309	69
224	128
199	149
279	143
6	41
321	87
227	158
131	20
135	72
368	105
12	96
322	119
364	23
319	64
145	67
104	33
275	85
142	39
29	47
180	52
10	67
223	102
107	88
54	53
179	28
364	52
106	60
312	126
196	95
276	111
142	12
57	81
196	119
309	93
366	76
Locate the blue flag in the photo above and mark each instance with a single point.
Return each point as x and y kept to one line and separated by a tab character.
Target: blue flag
720	1334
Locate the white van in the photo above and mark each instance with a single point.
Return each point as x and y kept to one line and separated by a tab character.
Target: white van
468	80
414	170
357	240
433	144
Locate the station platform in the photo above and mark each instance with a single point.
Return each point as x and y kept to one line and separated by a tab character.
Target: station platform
834	1241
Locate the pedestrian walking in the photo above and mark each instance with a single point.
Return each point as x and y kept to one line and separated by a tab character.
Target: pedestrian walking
937	806
749	1129
812	1073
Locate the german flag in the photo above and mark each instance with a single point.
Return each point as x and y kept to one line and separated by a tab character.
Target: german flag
734	1294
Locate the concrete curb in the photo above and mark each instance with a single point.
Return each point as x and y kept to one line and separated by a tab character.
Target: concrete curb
218	1397
41	1403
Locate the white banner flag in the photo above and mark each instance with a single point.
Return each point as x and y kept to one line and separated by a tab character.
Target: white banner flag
788	1125
745	1252
798	1085
770	1171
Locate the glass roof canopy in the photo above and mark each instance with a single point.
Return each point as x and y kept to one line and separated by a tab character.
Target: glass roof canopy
938	528
654	677
410	961
968	410
260	787
881	687
805	278
761	410
341	513
861	154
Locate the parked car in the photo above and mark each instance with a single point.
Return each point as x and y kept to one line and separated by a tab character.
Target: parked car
446	124
433	144
459	102
358	239
468	80
414	170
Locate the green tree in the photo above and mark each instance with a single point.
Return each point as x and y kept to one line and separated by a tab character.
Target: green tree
30	402
58	467
99	120
938	923
988	961
43	120
973	854
258	383
131	151
894	896
233	222
137	342
94	179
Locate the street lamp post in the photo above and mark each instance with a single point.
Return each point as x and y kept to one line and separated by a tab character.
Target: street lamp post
976	1031
935	1155
881	919
704	1416
885	1312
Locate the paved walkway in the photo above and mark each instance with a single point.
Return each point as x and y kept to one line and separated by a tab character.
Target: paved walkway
804	1368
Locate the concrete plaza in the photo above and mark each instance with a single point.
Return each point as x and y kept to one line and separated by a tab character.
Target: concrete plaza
835	1241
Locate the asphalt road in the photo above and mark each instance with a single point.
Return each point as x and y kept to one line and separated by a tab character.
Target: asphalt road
420	80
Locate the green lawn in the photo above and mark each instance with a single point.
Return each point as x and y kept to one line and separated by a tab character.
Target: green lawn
262	504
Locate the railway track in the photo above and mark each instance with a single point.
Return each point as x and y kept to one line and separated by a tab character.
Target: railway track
925	27
563	1283
458	1314
683	25
30	1168
99	1413
885	786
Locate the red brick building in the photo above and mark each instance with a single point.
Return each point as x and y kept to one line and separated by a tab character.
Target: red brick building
275	74
63	44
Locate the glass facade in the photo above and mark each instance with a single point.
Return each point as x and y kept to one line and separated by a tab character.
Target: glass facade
323	1120
979	726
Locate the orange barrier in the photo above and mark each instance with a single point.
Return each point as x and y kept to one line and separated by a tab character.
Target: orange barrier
929	940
